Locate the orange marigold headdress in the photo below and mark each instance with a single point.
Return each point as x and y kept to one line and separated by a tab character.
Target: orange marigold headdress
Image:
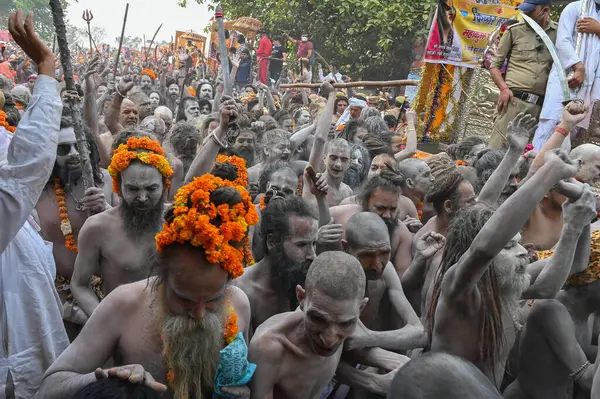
148	72
4	123
194	215
126	153
240	166
248	98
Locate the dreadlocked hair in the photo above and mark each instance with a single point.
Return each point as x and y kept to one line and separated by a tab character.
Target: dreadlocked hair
440	164
268	171
445	188
462	230
486	163
349	131
377	145
388	180
461	149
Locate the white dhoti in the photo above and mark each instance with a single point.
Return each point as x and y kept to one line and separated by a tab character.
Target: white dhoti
32	334
565	47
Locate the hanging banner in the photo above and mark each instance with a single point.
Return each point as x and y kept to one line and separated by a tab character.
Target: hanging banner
193	44
459	33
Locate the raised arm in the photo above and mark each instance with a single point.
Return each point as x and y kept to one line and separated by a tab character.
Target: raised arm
504	224
583	250
519	132
411	138
111	119
90	113
552	277
323	126
572	114
426	246
32	151
205	159
301	135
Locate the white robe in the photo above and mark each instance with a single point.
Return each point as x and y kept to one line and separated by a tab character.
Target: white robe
32	334
589	92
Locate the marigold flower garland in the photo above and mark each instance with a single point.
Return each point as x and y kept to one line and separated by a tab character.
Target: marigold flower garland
193	222
122	158
65	223
240	167
148	72
5	124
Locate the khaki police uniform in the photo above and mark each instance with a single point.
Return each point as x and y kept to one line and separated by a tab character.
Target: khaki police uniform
529	64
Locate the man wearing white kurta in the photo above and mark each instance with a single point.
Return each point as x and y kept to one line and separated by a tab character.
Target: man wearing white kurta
32	334
585	81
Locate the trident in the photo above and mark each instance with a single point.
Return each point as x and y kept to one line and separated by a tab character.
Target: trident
87	17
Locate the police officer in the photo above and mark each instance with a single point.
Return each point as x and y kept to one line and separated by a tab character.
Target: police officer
527	70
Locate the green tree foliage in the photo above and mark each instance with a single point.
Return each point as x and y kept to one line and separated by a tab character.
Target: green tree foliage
370	39
44	25
129	41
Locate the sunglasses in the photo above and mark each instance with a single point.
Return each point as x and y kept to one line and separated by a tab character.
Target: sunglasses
64	149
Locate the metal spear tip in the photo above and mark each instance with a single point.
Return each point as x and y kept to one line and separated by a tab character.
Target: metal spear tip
219	11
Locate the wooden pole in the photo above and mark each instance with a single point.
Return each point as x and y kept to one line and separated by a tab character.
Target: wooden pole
72	99
385	83
227	84
121	40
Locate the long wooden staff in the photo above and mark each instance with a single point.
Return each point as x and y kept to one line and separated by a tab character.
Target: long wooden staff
72	99
121	40
385	83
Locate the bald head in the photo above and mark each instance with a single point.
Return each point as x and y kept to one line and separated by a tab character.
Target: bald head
589	154
128	117
417	175
436	375
411	167
364	228
336	275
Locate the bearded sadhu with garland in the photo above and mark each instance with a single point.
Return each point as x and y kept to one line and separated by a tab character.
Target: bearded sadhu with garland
117	244
182	331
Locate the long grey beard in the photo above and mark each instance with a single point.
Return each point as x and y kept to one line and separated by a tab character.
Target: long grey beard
511	290
191	348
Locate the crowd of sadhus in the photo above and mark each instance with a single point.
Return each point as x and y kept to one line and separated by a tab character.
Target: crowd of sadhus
299	248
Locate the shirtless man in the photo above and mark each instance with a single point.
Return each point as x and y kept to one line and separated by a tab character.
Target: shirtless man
117	244
66	177
450	194
332	158
542	230
290	232
122	113
556	344
485	271
176	318
275	146
368	240
297	353
381	195
417	182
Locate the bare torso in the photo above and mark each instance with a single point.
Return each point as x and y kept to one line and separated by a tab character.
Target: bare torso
123	258
405	206
49	219
130	333
264	301
457	331
301	374
542	231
